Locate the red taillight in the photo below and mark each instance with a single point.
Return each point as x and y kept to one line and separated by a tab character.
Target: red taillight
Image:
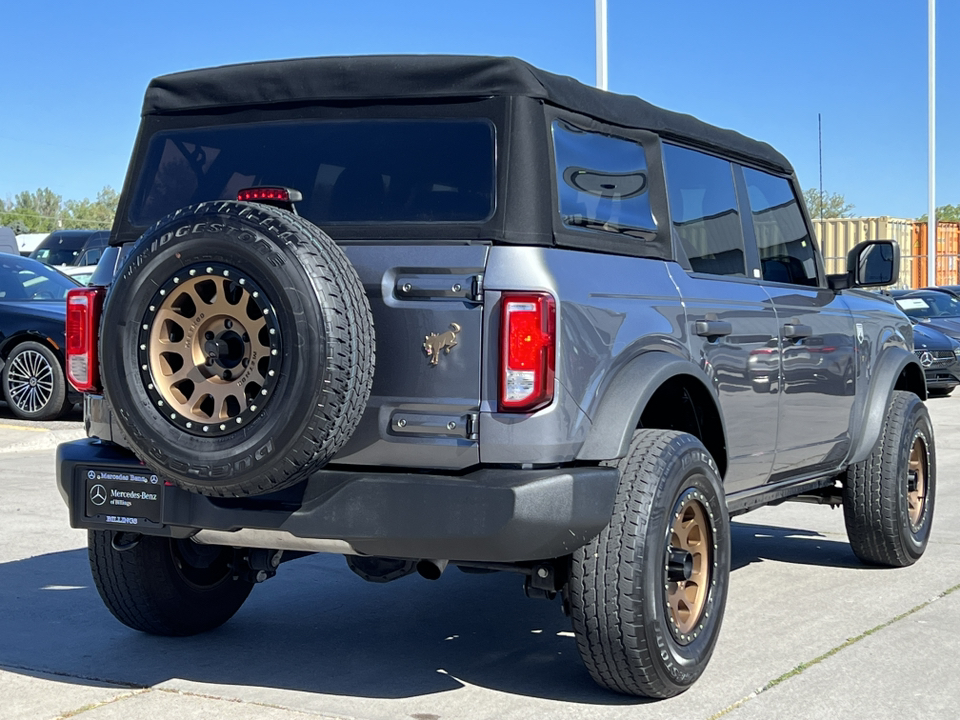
83	320
527	351
277	196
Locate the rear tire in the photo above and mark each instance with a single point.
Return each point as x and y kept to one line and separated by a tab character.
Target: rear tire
164	586
647	595
888	499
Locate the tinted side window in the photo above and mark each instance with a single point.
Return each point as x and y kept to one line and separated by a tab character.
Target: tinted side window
786	251
703	204
601	182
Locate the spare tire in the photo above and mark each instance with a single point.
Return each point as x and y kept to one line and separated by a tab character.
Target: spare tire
237	348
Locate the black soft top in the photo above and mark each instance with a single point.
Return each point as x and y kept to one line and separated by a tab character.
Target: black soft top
390	77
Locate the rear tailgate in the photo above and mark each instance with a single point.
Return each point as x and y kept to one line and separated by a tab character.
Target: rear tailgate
423	409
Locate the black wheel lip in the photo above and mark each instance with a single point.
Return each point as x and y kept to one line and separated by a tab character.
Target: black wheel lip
685	639
246	417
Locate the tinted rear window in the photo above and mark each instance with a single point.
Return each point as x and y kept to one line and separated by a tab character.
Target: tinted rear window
360	171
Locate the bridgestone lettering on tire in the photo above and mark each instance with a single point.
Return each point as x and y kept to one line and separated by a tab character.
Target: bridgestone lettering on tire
243	350
647	595
888	499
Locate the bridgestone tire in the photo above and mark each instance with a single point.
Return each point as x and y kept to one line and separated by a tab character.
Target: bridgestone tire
153	587
623	583
46	397
237	348
888	501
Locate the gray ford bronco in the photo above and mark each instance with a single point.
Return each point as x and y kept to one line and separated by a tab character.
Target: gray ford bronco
428	312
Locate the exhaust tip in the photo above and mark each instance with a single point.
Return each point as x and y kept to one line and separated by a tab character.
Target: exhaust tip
431	569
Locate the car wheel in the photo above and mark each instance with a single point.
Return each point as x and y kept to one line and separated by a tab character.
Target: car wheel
647	595
164	586
888	499
243	350
33	383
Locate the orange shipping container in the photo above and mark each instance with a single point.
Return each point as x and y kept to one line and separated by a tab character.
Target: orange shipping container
948	254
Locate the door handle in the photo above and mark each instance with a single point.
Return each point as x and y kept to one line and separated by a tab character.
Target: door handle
796	331
712	328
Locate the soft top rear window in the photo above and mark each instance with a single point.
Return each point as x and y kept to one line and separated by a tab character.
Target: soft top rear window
356	171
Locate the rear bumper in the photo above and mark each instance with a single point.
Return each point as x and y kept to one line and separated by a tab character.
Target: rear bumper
490	515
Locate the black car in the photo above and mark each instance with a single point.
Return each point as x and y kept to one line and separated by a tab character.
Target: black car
62	247
933	308
940	357
93	248
33	313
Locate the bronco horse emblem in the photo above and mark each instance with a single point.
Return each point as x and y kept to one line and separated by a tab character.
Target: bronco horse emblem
445	341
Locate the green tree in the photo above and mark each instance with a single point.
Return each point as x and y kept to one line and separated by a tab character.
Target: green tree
827	205
97	214
38	212
945	213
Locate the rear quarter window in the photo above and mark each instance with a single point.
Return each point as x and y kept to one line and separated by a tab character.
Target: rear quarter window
602	182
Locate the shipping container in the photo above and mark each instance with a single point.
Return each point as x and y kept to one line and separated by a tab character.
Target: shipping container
948	254
837	236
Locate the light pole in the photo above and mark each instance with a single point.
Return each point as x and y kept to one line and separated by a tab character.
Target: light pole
601	13
932	148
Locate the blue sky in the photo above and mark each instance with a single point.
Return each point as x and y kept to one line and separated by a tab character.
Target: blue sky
74	73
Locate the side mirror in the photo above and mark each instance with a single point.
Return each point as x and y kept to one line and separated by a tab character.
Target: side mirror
872	263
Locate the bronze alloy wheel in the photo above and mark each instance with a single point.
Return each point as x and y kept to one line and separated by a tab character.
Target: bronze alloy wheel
209	350
917	483
689	565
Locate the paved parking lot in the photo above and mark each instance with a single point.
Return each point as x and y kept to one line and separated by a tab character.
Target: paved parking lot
809	633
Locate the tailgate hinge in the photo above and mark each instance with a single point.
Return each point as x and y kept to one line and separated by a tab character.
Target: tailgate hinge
473	421
476	289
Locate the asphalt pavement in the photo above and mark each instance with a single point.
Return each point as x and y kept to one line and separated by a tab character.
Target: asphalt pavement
808	631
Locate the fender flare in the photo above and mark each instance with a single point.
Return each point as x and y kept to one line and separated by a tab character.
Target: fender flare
626	396
890	364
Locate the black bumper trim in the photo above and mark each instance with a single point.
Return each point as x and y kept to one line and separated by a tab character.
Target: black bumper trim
490	515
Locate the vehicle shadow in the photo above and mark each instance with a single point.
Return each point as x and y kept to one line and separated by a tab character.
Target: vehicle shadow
756	543
318	628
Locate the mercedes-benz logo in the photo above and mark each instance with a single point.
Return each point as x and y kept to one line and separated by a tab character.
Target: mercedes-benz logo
926	359
98	494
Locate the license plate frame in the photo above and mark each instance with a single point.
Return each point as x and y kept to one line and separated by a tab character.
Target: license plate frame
121	497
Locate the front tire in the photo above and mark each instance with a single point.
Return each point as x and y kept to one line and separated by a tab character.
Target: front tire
164	586
888	499
33	383
647	595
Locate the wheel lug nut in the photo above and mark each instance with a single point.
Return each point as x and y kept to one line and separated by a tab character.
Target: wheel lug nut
227	374
208	335
228	324
246	362
246	338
